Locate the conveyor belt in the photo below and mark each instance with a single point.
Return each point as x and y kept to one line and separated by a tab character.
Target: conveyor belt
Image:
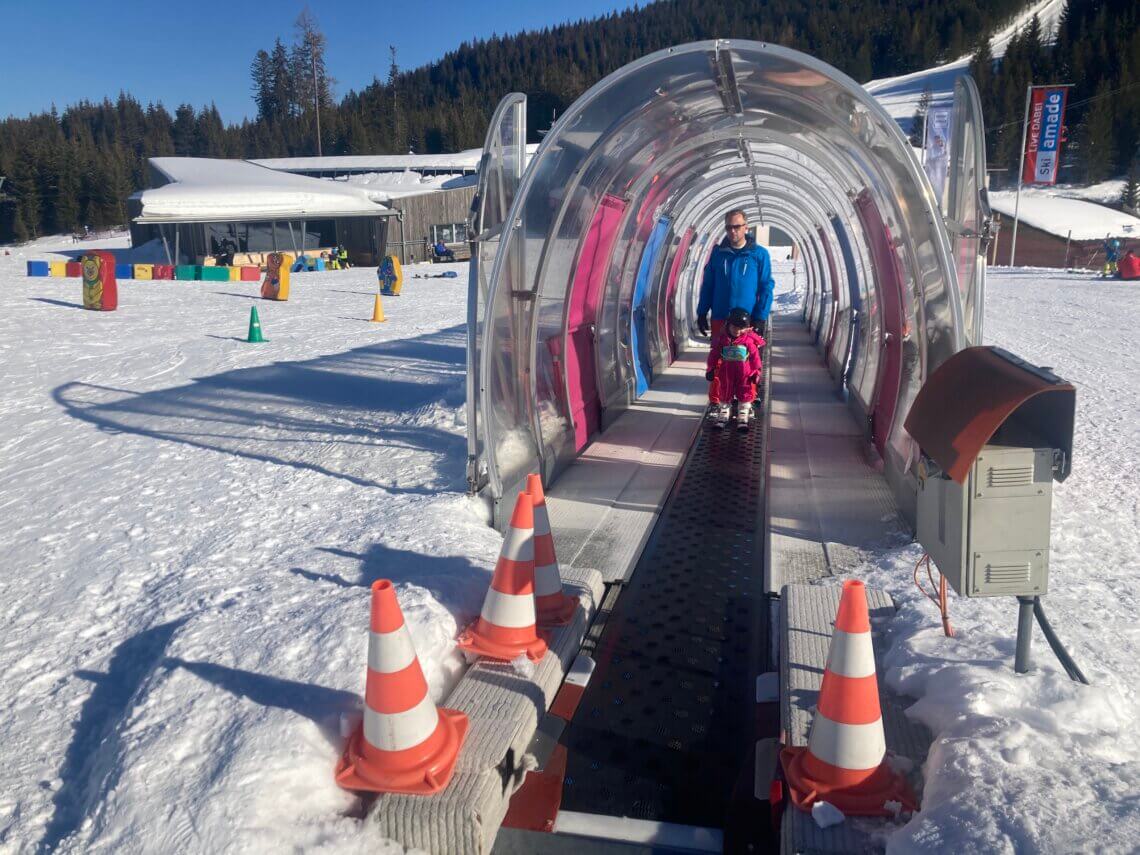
666	727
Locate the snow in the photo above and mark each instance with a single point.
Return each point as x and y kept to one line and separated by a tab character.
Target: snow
459	161
1044	209
900	95
826	814
385	186
211	189
190	524
1037	763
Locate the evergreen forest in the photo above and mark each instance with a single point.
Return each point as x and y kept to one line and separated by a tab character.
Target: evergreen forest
68	169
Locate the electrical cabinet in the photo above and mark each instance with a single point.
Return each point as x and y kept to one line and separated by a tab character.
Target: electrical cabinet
990	536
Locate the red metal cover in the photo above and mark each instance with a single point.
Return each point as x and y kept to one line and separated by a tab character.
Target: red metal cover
976	391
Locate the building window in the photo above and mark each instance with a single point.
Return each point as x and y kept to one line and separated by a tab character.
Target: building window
449	233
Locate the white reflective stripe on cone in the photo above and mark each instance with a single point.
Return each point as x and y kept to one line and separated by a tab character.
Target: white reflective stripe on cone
541	521
513	611
863	746
547	581
397	731
518	544
389	652
851	654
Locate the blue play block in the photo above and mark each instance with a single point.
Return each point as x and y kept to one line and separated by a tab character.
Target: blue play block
39	268
124	271
320	264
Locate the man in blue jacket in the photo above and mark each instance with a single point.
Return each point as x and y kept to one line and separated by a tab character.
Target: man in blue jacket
738	275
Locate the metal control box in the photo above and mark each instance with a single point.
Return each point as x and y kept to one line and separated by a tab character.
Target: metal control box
990	535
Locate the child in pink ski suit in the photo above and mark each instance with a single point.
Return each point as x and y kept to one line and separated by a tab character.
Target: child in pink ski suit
733	368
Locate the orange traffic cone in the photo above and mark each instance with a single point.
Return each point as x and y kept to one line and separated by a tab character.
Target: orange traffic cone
554	607
506	626
845	760
378	311
405	743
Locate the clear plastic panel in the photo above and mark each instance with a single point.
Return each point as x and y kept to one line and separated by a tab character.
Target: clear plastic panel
968	214
500	172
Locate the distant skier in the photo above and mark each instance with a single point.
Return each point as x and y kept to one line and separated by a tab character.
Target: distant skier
733	369
1111	256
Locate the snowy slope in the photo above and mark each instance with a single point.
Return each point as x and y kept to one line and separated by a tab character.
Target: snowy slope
189	526
900	95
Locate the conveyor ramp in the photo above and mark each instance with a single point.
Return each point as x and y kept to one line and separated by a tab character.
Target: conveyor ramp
663	736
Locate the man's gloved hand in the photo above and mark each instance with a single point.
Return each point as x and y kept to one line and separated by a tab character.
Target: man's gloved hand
703	323
758	323
709	375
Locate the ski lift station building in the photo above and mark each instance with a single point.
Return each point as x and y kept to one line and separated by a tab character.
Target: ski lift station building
654	720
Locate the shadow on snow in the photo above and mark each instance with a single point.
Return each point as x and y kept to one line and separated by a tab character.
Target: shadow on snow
307	414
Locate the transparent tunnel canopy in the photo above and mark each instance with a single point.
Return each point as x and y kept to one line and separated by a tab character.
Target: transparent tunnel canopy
585	288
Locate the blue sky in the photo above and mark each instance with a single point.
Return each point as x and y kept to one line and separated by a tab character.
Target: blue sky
62	51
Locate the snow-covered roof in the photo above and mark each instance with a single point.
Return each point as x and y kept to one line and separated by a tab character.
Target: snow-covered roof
1057	215
386	186
460	161
208	190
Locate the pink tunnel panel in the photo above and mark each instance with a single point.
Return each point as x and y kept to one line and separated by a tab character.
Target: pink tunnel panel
889	275
582	315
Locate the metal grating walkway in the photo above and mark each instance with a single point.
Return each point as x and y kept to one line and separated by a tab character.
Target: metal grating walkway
666	727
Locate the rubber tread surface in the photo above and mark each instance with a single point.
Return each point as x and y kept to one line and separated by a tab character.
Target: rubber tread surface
667	723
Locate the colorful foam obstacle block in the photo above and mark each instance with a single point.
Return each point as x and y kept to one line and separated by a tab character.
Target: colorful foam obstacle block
391	276
249	274
144	271
275	286
235	273
39	268
214	274
100	290
185	272
163	271
318	264
73	270
58	268
124	271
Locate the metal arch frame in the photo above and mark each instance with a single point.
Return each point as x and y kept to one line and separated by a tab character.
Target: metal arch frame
869	124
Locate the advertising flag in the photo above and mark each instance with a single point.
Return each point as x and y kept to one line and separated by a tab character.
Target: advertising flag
1043	134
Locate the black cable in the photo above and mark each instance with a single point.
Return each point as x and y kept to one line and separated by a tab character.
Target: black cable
1063	656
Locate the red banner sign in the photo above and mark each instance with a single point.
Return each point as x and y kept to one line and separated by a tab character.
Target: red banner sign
1043	134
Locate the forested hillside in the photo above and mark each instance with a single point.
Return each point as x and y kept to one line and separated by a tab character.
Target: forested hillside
77	167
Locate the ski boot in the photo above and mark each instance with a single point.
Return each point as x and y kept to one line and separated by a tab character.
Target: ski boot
743	414
720	414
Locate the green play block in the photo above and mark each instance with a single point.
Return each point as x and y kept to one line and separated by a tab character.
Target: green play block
185	272
215	274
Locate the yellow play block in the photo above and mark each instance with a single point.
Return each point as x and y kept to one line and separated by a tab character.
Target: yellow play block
144	271
59	268
235	274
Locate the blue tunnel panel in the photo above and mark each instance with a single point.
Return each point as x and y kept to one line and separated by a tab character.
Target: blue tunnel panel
639	334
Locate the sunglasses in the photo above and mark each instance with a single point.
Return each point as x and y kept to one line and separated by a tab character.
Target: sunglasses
734	228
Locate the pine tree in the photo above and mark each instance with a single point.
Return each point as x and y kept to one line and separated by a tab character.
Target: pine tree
1130	197
1097	138
183	131
261	73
